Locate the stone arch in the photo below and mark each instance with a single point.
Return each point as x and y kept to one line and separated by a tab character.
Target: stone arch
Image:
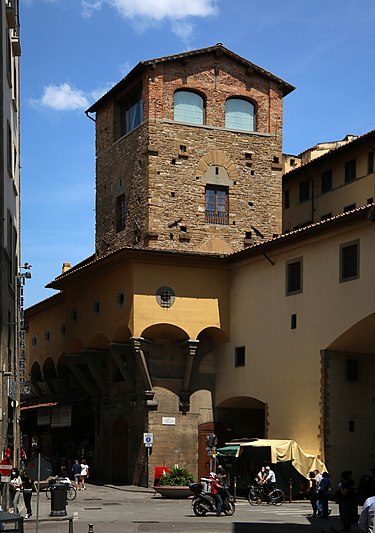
74	346
244	415
36	372
121	334
165	330
49	369
99	341
217	158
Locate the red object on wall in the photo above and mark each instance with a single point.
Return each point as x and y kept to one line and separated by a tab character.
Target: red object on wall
159	472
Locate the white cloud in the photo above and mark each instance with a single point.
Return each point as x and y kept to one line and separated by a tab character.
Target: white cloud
62	97
153	11
65	97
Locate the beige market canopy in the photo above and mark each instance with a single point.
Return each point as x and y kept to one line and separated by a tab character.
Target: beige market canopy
281	451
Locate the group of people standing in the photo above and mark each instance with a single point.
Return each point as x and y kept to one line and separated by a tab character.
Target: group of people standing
24	484
346	497
318	493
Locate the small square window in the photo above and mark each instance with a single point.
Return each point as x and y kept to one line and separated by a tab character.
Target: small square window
294	276
46	336
293	321
239	359
349	261
33	341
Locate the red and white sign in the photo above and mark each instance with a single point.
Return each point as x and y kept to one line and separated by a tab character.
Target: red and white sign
6	466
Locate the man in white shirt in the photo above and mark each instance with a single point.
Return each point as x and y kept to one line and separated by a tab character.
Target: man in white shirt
366	519
270	480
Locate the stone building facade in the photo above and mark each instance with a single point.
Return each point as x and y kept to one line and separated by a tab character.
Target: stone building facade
152	177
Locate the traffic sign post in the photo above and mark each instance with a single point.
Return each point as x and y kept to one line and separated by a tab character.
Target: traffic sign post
148	440
6	466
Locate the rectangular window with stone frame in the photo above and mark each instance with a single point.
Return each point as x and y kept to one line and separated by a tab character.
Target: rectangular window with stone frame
216	211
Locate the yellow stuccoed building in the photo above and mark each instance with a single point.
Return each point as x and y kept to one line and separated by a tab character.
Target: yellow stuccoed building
219	321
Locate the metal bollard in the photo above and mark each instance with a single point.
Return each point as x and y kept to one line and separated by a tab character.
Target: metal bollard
91	528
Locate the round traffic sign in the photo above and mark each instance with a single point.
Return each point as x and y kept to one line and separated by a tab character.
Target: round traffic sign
6	466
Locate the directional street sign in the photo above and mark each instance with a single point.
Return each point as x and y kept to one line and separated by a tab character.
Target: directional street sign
148	439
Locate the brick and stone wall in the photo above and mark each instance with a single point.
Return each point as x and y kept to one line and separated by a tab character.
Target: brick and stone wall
160	162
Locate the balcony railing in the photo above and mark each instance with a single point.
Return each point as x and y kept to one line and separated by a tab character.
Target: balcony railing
216	217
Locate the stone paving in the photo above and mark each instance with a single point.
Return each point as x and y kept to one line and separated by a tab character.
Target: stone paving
112	509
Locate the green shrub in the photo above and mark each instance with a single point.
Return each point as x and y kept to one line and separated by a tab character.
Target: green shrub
177	477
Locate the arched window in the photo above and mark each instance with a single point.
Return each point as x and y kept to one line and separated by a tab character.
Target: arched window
240	114
188	107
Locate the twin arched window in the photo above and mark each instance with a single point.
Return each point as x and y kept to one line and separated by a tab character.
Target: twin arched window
239	114
189	108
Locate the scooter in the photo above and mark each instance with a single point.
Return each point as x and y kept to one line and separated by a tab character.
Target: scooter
204	502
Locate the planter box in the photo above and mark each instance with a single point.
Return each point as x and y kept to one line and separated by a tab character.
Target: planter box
168	491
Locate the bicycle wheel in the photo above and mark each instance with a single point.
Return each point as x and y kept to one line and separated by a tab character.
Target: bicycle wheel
254	497
71	493
48	493
277	497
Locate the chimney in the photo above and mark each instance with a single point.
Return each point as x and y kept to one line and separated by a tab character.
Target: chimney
66	266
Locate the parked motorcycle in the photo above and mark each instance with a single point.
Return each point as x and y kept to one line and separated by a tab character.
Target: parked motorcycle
204	502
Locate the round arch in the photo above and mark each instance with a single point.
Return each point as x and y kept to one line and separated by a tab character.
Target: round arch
165	330
99	341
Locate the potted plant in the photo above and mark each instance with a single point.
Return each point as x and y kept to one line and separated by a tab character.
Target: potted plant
175	484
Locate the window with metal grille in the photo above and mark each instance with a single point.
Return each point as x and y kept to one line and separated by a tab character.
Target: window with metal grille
120	213
165	297
216	205
294	276
349	261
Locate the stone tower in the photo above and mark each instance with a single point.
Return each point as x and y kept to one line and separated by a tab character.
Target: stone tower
189	154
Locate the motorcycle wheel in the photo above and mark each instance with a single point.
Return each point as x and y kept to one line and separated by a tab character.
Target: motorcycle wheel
230	510
198	509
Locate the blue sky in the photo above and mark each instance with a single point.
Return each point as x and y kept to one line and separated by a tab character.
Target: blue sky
74	50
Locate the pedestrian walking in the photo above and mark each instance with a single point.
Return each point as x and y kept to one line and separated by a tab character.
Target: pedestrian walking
76	469
312	493
27	484
15	486
84	473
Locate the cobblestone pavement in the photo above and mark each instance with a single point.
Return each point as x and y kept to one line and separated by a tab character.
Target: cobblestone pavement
134	510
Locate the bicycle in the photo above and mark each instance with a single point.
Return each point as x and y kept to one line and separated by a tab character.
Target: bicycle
71	492
257	495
